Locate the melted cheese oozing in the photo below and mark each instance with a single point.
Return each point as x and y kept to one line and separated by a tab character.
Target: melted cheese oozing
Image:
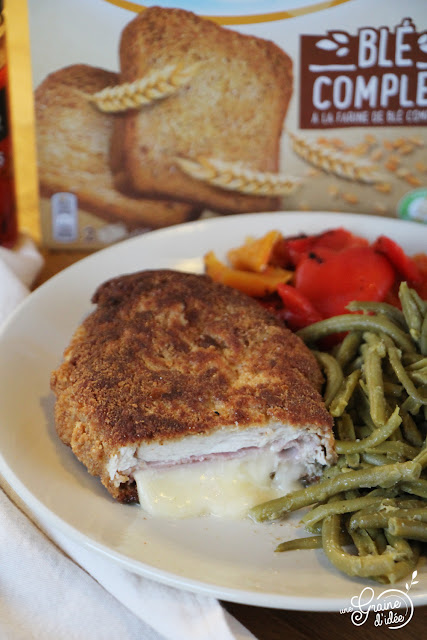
221	487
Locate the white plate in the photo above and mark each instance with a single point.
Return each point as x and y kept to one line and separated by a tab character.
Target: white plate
230	560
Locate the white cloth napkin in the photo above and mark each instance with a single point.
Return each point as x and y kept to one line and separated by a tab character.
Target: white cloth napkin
52	588
18	270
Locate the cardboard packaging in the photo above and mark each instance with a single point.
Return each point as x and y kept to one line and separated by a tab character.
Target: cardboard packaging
148	116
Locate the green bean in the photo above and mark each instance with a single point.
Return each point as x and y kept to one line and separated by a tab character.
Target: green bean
348	495
415	487
417	513
362	431
315	529
392	389
367	520
355	365
410	310
345	430
421	457
363	542
388	310
420	363
341	400
342	506
402	547
362	566
406	528
419	375
391	500
356	322
406	557
379	538
385	477
312	542
376	493
342	464
423	337
331	472
422	304
376	459
363	411
380	519
353	460
395	448
396	436
399	369
404	567
411	358
345	427
386	494
333	373
348	348
374	380
410	430
377	437
411	406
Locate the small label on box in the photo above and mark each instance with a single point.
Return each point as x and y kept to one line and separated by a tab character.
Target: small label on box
64	212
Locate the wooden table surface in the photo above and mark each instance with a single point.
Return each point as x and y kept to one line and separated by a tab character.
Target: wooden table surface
272	624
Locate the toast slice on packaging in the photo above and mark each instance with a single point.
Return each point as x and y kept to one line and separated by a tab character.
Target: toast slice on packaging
73	141
232	109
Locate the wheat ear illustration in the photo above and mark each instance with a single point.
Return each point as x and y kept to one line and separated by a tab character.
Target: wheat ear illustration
413	581
156	85
235	176
332	161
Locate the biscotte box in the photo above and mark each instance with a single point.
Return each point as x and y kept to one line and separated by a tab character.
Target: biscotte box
152	114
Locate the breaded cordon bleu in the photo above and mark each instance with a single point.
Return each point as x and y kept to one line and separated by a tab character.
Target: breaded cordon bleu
189	397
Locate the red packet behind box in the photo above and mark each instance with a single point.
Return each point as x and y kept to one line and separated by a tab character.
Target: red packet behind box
157	114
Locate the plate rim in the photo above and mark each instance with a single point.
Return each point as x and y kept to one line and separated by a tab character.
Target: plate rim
40	510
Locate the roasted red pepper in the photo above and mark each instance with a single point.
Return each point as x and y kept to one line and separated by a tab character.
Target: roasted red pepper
333	240
332	268
298	248
420	261
298	311
404	265
331	282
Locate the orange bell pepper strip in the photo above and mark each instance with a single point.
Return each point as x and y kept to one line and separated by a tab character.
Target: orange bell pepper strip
253	284
255	254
